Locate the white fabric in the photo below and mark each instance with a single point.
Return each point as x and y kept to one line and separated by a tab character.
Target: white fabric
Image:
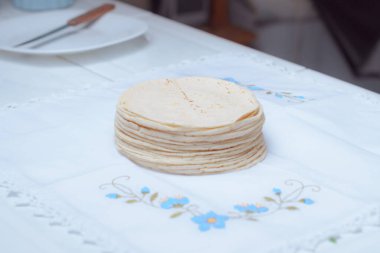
66	147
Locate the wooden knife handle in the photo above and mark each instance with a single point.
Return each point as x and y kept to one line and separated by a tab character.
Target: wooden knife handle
91	15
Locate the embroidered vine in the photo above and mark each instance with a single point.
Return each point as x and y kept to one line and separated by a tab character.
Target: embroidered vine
180	205
284	95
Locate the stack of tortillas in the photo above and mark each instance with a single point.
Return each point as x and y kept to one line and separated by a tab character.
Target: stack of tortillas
191	125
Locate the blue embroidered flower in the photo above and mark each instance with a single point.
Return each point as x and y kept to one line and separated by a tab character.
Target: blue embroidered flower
307	201
113	196
277	191
300	97
250	208
210	219
145	190
231	79
254	87
176	202
278	95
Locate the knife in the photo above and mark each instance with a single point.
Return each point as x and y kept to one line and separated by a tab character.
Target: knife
89	16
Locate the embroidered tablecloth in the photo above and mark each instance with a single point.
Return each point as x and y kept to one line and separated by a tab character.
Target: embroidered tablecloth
319	181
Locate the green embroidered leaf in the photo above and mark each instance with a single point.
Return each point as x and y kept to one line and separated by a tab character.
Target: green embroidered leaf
175	215
131	201
153	197
333	239
269	199
292	208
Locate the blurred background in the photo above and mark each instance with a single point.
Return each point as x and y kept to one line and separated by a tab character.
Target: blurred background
340	38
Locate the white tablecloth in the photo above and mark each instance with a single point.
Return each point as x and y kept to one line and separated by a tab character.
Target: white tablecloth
317	187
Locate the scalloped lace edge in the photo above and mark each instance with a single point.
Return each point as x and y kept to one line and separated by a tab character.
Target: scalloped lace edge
56	214
44	206
369	217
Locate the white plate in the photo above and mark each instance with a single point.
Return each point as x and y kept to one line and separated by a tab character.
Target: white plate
109	30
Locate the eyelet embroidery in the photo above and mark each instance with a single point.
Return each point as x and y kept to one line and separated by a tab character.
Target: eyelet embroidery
180	205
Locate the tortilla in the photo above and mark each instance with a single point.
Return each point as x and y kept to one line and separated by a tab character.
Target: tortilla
190	125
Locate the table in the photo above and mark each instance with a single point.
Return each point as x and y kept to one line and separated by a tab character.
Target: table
28	79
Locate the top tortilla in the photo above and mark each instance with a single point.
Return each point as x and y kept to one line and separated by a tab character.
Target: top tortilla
190	102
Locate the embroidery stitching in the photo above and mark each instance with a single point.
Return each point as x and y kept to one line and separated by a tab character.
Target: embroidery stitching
284	95
206	220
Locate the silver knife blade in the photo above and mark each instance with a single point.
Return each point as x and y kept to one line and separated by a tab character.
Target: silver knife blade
42	35
89	16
